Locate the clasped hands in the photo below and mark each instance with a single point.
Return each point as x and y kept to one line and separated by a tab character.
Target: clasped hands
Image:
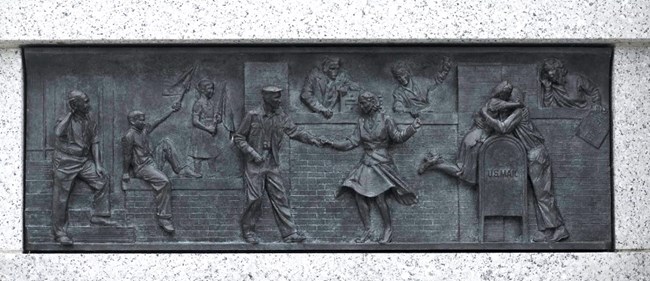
325	142
318	142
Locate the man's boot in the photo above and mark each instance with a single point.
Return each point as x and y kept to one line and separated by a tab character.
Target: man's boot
102	221
64	240
251	238
166	225
542	236
189	173
294	238
184	171
559	234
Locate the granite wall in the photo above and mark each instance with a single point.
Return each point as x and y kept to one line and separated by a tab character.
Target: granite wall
621	23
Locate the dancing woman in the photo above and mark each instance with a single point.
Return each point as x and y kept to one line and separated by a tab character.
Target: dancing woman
376	175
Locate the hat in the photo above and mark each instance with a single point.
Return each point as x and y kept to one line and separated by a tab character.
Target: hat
271	90
75	94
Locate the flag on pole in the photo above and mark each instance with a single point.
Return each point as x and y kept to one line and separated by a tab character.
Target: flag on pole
182	84
224	106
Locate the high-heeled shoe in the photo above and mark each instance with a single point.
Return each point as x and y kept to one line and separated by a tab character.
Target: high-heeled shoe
388	236
365	236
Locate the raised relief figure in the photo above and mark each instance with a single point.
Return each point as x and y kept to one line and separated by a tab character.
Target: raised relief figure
412	92
466	164
141	162
208	122
214	159
518	123
324	88
376	176
260	137
563	89
77	157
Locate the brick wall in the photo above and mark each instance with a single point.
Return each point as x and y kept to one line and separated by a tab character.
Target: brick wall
447	210
316	174
208	210
198	215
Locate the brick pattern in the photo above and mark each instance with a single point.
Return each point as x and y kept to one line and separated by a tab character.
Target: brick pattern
317	173
198	215
581	173
446	212
37	215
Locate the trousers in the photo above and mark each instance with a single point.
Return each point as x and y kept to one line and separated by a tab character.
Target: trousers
260	178
67	170
152	174
539	170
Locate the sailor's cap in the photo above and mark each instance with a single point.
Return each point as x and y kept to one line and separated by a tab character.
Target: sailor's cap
271	90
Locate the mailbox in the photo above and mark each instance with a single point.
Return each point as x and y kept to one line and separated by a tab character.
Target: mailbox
503	181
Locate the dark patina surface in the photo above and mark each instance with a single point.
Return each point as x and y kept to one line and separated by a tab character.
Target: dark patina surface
317	148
